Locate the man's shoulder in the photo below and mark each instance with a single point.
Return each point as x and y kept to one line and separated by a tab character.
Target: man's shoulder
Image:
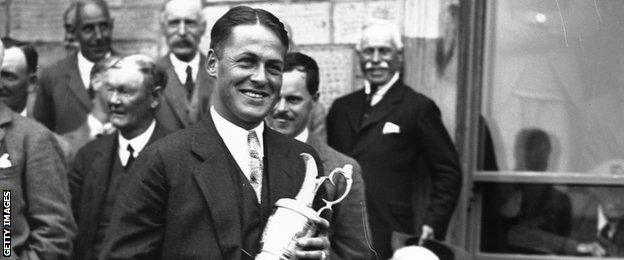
27	126
348	98
61	65
285	141
98	143
326	153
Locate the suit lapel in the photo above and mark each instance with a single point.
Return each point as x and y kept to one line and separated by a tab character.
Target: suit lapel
175	93
76	85
215	182
385	105
284	180
5	118
355	109
99	176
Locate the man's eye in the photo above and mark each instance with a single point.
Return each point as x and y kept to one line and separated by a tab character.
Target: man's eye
173	23
368	51
293	100
88	28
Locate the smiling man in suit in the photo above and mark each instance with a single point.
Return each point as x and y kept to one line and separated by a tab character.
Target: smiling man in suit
64	97
291	117
187	96
205	192
132	87
33	179
409	164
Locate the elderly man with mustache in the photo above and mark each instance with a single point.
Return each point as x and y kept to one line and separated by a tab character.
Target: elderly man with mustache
409	164
188	90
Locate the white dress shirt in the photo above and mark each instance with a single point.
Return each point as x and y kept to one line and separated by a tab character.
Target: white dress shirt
180	67
235	139
84	68
303	136
137	143
381	91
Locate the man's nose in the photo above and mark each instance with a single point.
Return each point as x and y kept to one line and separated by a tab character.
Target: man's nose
259	75
114	98
281	105
376	55
182	28
98	33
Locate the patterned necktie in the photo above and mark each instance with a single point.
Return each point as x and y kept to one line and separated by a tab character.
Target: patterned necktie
255	163
130	157
188	85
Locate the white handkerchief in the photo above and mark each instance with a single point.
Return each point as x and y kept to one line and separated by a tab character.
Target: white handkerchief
4	161
390	128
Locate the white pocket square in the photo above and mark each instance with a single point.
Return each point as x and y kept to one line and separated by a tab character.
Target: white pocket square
4	161
390	128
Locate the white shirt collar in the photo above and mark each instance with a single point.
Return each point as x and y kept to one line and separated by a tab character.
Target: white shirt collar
180	66
84	68
303	136
235	139
381	91
137	143
24	113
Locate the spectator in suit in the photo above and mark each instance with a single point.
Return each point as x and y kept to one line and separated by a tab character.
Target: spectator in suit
205	192
291	117
69	24
409	163
187	95
133	88
64	98
33	179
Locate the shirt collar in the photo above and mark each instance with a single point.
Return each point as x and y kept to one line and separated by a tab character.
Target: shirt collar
180	66
381	91
303	136
230	132
139	142
84	67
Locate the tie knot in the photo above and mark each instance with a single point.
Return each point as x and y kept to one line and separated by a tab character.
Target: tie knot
254	144
189	70
130	150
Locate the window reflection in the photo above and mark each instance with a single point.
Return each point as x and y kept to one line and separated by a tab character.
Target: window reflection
553	220
558	66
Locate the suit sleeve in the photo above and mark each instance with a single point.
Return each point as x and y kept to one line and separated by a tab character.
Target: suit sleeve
76	181
350	225
43	110
47	196
137	224
443	167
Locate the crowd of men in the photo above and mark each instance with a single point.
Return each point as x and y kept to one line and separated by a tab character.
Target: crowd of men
124	157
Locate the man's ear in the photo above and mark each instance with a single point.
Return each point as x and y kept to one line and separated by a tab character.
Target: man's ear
32	82
157	94
212	63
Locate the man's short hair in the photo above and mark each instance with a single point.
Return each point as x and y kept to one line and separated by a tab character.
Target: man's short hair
244	15
82	3
29	52
69	18
303	63
390	27
153	75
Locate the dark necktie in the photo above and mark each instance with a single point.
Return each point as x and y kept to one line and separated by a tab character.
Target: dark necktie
255	163
367	106
188	85
130	157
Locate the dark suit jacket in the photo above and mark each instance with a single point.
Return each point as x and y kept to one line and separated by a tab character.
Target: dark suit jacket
412	175
173	112
62	103
179	201
89	182
42	226
348	230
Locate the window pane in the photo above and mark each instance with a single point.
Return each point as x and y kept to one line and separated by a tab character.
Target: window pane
554	92
545	219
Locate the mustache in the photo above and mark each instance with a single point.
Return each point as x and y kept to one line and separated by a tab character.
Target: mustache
183	42
381	65
283	115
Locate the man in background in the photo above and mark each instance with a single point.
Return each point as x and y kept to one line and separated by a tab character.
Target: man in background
64	98
33	179
291	117
187	95
409	163
132	87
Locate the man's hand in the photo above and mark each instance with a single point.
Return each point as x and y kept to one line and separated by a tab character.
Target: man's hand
593	249
427	233
315	247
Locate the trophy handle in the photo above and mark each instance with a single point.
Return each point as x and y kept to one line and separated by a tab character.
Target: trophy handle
347	172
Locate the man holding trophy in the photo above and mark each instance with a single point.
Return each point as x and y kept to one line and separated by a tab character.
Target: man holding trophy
206	192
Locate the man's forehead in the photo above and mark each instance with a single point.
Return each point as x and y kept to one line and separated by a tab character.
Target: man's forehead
124	74
186	9
377	35
248	37
14	56
294	81
92	12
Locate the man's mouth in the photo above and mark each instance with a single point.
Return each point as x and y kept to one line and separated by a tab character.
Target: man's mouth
254	93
